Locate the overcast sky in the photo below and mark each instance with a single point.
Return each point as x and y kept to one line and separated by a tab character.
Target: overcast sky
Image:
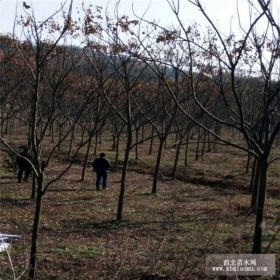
223	12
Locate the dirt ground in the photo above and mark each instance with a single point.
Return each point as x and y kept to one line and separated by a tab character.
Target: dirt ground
163	236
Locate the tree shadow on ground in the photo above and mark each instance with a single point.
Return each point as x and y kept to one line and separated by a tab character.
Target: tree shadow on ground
226	186
15	202
70	190
112	225
7	177
7	182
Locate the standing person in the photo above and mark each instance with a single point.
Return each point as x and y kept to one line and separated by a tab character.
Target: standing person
23	165
100	166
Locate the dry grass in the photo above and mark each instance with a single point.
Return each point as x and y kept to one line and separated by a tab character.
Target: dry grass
167	235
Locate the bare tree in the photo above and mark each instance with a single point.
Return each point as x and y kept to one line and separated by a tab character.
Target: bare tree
47	97
231	62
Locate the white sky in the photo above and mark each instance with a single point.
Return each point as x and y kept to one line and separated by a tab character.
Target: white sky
223	12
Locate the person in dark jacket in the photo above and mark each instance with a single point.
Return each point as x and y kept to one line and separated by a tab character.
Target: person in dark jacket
101	166
23	165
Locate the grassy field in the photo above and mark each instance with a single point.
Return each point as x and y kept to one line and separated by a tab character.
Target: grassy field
162	236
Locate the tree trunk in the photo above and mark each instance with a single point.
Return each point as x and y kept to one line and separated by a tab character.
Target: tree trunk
83	134
52	128
34	187
124	172
59	137
71	143
152	141
95	145
86	159
173	174
35	230
2	123
136	145
217	130
187	150
41	129
29	135
209	144
248	163
13	124
7	124
197	145
259	225
117	151
253	174
165	144
113	142
143	132
176	137
203	145
156	172
255	187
